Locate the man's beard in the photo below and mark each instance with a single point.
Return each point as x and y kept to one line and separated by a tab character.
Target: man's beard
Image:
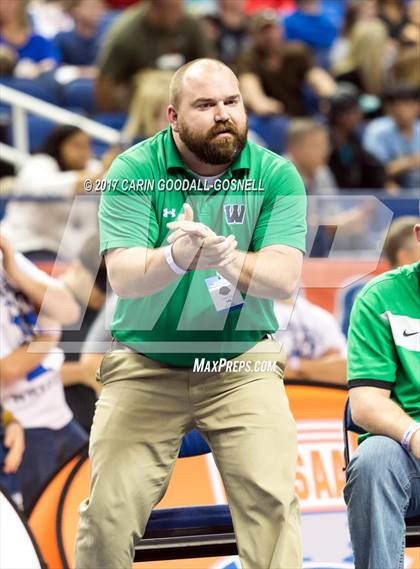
211	149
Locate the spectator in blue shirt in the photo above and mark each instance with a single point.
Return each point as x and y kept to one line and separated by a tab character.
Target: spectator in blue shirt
395	138
80	45
33	53
310	25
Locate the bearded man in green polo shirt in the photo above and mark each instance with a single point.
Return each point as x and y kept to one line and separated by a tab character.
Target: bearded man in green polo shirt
196	266
383	477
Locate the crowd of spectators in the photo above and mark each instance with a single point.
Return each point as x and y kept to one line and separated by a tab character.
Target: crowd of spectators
348	64
336	80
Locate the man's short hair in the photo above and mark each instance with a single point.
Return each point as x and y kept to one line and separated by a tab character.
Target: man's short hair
299	129
401	92
399	235
175	88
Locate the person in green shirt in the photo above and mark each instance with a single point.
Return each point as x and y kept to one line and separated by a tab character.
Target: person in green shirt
383	477
200	229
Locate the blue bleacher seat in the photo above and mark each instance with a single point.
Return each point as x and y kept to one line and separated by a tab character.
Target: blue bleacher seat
271	129
45	87
80	93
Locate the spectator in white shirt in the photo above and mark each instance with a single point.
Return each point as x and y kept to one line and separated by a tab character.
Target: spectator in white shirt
30	381
312	338
42	229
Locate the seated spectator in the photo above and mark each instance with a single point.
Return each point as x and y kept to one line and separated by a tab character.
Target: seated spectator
31	385
87	280
406	68
395	138
352	165
356	11
310	25
227	29
58	171
273	73
308	146
393	14
80	46
31	53
329	221
383	365
169	38
313	341
12	445
401	248
369	73
149	104
48	17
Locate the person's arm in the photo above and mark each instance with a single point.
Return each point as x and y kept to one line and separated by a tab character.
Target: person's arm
373	368
140	271
71	373
14	440
255	98
41	289
402	164
20	361
41	177
321	82
90	364
273	272
329	368
372	409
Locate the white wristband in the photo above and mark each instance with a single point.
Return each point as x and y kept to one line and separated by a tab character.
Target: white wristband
406	438
170	260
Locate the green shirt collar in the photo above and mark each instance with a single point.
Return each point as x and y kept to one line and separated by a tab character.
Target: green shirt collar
174	160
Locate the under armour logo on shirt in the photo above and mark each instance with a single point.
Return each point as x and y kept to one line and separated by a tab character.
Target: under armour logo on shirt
234	213
169	212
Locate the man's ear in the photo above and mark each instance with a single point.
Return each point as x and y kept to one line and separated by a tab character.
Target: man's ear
417	232
172	115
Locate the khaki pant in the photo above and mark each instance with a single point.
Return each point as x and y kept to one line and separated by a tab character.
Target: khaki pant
143	412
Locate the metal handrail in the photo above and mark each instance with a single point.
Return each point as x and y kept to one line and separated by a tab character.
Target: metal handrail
22	103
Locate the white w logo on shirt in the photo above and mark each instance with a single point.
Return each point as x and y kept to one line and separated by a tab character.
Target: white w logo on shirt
234	213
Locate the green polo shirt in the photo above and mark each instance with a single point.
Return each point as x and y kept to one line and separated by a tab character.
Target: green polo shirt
260	199
384	337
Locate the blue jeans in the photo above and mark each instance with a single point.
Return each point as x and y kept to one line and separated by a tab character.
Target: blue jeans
45	451
383	487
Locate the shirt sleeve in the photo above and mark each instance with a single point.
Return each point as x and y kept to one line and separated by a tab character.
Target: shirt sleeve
373	142
372	360
282	219
126	216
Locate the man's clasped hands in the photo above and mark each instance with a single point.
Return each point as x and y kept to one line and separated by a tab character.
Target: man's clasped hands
196	246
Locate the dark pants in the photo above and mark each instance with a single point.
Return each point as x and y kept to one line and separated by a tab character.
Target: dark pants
45	451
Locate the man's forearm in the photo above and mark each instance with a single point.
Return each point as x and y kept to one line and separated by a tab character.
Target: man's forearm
265	274
378	415
138	271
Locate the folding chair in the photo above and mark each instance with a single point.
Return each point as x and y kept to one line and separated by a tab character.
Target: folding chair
192	532
412	534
